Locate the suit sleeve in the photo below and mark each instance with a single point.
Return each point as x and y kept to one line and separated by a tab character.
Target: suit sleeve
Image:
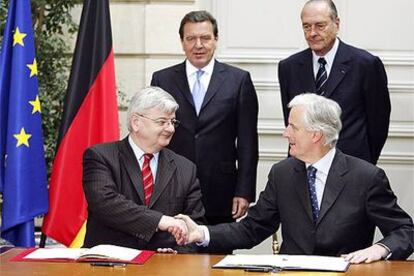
284	90
109	205
247	140
154	81
262	220
193	205
378	107
395	225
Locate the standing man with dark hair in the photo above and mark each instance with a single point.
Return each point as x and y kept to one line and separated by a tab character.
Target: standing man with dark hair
218	114
352	77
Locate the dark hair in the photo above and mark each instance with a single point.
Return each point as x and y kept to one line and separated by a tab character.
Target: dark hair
331	5
196	17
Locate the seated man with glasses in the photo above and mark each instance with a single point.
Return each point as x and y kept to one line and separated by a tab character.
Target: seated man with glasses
135	186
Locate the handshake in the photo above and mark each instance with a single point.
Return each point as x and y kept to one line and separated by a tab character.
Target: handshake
183	228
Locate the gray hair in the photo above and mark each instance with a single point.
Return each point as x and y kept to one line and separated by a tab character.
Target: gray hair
197	17
332	8
148	98
321	114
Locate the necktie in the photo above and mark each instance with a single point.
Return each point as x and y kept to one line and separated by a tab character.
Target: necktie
321	77
147	178
198	92
311	172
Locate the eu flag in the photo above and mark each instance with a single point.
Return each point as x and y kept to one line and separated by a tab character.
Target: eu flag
23	177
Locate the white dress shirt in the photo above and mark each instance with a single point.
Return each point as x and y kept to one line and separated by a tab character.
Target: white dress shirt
329	57
191	72
139	154
322	166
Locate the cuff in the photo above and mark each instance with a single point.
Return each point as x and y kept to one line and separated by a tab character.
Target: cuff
388	249
206	240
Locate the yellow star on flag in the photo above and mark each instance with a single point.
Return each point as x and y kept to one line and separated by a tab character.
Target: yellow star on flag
33	68
36	105
18	37
22	138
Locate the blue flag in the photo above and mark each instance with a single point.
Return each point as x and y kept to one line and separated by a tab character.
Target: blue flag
23	177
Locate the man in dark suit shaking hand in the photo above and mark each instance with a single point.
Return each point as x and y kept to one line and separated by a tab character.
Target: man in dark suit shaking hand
135	186
218	113
352	77
327	202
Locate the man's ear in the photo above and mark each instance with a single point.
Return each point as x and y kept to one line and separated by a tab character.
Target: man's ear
135	122
317	136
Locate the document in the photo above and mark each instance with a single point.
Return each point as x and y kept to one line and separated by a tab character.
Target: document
104	253
284	262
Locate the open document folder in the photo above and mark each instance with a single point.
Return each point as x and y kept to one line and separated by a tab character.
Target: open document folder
284	262
99	253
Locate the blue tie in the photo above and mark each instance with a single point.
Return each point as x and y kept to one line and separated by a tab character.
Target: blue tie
198	92
311	171
321	77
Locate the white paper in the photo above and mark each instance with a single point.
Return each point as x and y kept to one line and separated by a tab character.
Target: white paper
287	262
104	251
111	252
56	253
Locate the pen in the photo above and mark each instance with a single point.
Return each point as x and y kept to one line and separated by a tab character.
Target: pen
109	264
258	269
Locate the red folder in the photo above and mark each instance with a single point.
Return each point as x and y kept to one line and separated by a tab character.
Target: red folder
139	259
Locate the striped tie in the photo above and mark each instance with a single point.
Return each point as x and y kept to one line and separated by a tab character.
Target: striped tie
321	77
311	172
147	178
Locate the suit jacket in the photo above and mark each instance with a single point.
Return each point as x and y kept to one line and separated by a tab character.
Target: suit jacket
358	83
357	198
224	133
113	187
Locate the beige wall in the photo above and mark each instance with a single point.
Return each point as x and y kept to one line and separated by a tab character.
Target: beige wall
255	35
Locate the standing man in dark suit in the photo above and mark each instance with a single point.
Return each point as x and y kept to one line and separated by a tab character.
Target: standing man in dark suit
133	187
327	202
352	77
218	114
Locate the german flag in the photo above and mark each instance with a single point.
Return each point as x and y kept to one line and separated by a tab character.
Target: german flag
90	116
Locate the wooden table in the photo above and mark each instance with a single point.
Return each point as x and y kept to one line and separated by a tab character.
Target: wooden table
181	265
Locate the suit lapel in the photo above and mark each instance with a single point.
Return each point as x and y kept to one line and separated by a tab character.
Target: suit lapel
334	185
339	69
165	170
131	165
301	187
182	83
306	79
216	80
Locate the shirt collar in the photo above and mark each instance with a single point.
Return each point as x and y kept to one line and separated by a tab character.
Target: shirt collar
329	57
138	152
324	164
191	69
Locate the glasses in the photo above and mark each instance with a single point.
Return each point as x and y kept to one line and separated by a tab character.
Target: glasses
319	27
163	122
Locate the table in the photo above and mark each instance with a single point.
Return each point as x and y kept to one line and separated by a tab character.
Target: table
182	265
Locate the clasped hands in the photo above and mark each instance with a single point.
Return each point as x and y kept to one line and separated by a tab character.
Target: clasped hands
183	228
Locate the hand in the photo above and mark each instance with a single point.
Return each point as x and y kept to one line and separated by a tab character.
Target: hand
166	250
240	206
195	233
174	226
368	255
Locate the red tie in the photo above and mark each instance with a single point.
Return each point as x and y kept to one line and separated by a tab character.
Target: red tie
147	178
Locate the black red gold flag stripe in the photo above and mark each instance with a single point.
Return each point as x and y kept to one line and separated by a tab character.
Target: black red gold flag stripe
90	116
